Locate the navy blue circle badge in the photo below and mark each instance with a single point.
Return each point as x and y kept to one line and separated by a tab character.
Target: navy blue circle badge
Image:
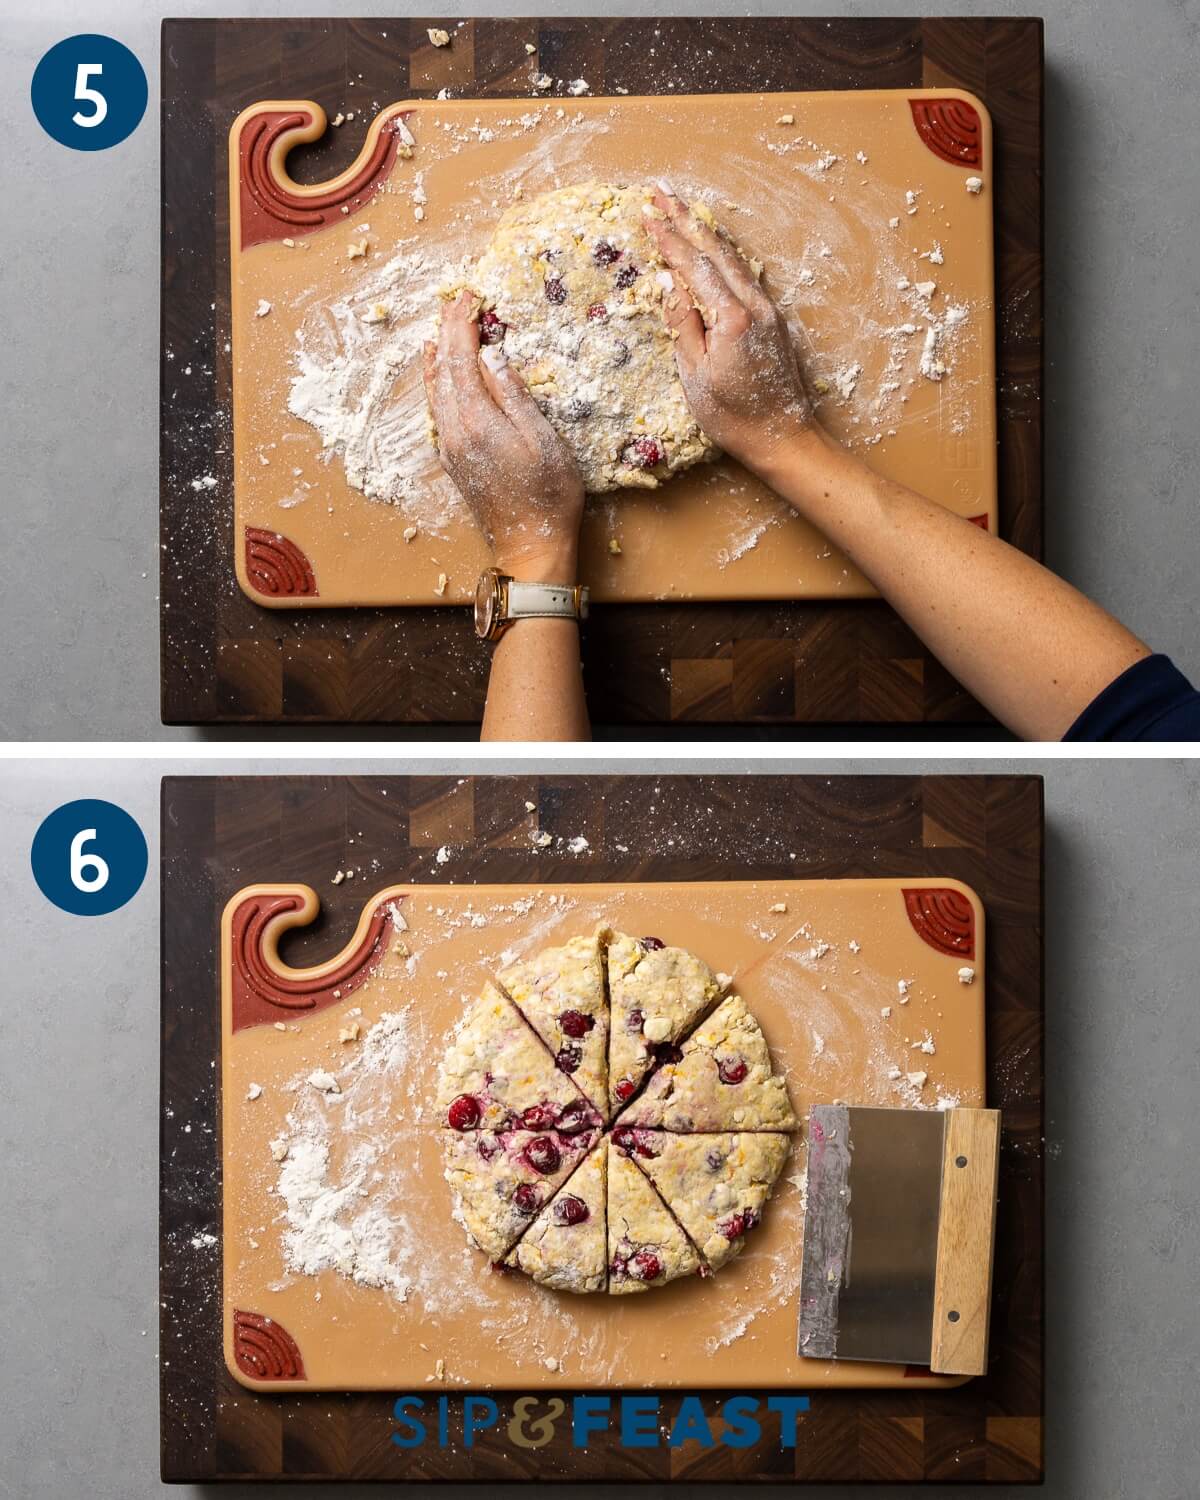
89	92
89	857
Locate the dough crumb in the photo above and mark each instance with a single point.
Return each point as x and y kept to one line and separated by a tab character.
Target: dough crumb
614	546
786	120
438	37
966	975
440	586
409	533
263	308
974	184
325	1082
254	1091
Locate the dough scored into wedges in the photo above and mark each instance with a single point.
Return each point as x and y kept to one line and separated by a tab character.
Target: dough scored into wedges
560	992
497	1074
656	994
646	1246
503	1180
716	1185
566	1247
572	289
723	1080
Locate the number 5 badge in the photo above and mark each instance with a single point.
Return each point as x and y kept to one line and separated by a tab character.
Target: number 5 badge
89	92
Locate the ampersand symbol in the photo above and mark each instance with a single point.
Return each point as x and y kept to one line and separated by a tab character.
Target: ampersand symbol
541	1429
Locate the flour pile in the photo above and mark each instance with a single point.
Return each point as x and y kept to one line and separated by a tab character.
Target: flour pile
338	1216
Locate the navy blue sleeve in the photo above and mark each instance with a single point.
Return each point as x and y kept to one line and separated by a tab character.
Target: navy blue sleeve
1152	700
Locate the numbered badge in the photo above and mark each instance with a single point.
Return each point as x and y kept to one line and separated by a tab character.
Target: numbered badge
89	92
89	857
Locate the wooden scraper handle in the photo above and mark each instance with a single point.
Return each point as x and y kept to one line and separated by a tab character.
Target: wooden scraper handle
966	1237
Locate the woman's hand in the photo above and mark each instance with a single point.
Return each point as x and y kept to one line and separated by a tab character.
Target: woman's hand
734	351
509	464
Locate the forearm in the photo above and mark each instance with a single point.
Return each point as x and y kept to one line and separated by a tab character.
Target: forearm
535	691
1032	649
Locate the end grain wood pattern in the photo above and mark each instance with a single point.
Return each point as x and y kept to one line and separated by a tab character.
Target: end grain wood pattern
775	667
221	833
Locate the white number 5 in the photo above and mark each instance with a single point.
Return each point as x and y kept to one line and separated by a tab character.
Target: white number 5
82	863
93	97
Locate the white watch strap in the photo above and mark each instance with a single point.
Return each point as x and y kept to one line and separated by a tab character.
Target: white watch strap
527	601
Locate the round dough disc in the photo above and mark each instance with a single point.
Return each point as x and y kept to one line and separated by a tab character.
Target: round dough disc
572	289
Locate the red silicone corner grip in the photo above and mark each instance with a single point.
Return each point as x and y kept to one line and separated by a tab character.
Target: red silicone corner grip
276	567
264	1349
261	994
943	918
270	210
951	128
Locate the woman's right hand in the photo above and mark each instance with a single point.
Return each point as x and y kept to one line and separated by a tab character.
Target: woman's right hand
514	471
735	354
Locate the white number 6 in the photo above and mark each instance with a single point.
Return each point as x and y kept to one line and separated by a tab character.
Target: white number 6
82	863
91	96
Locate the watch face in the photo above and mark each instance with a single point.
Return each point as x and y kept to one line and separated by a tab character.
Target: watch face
487	596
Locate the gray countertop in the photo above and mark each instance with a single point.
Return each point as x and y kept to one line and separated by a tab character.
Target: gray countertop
79	1127
80	317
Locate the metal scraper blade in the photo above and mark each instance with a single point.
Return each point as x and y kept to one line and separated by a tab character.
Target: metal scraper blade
871	1234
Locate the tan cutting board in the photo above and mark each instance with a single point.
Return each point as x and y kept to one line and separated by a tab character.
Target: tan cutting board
819	999
802	201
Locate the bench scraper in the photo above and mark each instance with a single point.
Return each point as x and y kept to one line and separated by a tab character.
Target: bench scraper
898	1236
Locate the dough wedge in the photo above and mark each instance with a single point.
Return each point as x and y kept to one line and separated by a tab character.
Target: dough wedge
646	1246
503	1179
716	1185
722	1080
560	992
499	1064
656	994
566	1247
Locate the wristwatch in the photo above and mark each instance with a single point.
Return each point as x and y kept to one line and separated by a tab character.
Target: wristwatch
500	600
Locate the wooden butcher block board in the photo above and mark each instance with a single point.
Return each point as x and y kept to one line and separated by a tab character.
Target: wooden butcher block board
847	983
823	202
